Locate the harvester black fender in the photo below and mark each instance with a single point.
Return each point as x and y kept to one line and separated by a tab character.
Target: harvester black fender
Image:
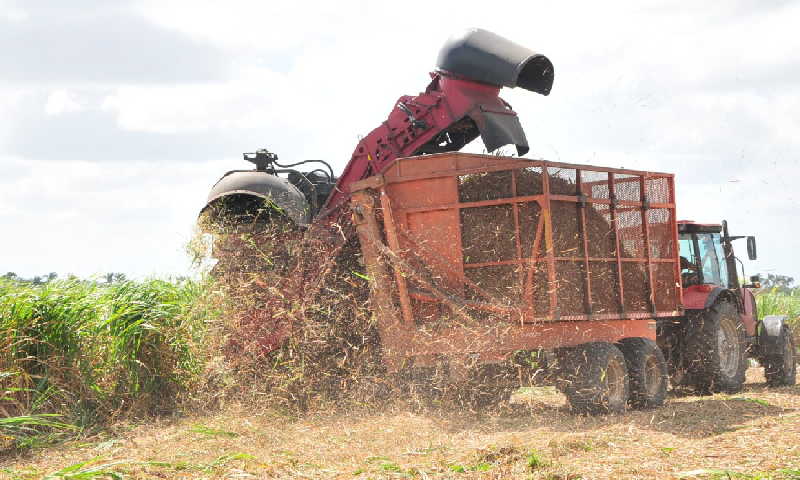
249	184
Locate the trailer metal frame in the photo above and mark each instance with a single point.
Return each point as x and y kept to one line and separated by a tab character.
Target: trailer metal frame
410	218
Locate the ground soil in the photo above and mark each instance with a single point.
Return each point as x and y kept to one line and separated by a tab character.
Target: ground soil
756	431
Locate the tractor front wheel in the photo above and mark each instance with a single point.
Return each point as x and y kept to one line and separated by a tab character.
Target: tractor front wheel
715	355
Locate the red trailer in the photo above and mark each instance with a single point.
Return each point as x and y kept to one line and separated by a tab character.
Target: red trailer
473	258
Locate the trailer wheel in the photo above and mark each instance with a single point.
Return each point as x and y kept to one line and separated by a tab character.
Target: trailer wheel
781	369
647	371
594	378
716	357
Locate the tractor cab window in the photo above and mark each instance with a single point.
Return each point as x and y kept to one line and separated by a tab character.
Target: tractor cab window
712	261
703	260
723	265
689	260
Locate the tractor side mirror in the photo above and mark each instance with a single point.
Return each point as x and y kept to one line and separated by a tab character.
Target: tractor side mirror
751	248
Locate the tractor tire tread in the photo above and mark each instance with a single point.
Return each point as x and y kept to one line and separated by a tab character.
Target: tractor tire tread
703	361
582	372
637	351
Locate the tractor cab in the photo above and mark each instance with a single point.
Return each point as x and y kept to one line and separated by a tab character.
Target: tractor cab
707	257
708	269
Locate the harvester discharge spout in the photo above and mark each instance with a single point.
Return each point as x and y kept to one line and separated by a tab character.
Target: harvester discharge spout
461	103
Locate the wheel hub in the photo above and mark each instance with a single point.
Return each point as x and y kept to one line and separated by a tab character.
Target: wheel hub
728	348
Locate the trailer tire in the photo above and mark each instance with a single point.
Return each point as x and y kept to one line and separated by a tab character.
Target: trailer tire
647	371
594	378
716	353
781	369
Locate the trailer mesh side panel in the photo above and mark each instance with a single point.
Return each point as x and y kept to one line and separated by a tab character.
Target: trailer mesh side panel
556	241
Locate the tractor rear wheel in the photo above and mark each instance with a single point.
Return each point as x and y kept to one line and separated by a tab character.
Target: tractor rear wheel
715	355
594	378
647	371
781	369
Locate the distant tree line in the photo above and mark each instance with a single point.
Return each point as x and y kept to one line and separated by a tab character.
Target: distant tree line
109	278
779	283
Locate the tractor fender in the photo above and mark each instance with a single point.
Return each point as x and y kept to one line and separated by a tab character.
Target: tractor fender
769	338
720	293
696	298
255	183
713	296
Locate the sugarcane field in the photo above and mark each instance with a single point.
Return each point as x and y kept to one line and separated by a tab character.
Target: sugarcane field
513	275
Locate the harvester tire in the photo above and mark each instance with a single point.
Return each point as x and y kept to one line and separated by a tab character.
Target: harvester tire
716	350
647	371
781	369
594	378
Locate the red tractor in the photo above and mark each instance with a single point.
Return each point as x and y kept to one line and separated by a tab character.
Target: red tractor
708	347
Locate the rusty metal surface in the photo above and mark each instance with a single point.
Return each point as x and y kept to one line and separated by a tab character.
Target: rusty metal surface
543	254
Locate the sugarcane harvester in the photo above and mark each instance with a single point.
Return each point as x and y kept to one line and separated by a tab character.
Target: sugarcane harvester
460	103
480	260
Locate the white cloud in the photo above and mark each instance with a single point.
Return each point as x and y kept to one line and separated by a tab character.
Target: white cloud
62	101
12	13
708	91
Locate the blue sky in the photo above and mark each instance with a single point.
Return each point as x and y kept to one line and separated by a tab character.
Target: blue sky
117	117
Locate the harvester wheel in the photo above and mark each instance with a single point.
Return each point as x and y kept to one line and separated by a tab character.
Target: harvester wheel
781	369
715	355
594	378
647	371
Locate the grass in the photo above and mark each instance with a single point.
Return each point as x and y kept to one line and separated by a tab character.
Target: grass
92	352
775	302
213	432
75	355
692	437
26	431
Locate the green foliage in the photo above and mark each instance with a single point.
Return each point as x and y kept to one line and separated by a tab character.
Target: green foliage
391	467
776	302
225	459
534	461
90	351
757	401
213	432
780	283
85	471
26	430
